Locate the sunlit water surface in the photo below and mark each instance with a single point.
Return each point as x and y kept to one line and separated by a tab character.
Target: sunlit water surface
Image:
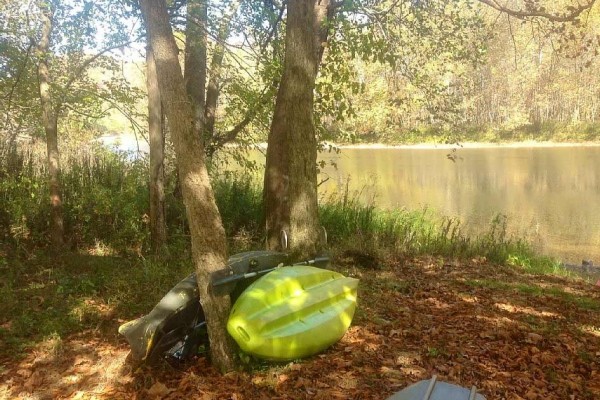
550	195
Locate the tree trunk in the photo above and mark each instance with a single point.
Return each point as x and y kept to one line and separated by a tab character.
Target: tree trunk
195	60
209	250
158	229
290	190
212	90
49	120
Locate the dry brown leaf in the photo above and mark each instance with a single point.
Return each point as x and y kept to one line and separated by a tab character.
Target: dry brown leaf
35	380
534	337
159	390
395	332
301	383
531	395
25	373
78	395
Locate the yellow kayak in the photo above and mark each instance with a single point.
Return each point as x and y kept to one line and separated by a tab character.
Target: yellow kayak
293	312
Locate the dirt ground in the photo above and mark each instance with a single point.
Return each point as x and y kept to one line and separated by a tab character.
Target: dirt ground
513	335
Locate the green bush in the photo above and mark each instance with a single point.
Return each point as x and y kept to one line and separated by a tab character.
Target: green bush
106	207
104	199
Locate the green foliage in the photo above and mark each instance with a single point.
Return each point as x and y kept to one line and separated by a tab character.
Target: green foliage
401	68
51	297
240	204
104	193
364	227
109	193
86	81
105	197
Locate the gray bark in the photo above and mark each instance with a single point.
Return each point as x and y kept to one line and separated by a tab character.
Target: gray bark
209	247
158	229
290	190
195	60
50	122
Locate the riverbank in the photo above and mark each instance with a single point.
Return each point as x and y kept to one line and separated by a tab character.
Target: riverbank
432	300
450	146
466	145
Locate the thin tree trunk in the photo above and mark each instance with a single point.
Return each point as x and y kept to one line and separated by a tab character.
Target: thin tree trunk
209	247
49	120
212	90
158	229
195	60
290	190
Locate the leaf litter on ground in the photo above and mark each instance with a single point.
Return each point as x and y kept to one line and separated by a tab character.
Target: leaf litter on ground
512	334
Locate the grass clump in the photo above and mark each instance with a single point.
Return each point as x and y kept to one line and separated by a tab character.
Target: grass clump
104	198
401	231
59	295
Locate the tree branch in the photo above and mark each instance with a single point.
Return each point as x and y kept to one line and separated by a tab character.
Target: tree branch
90	60
89	115
230	136
134	124
572	14
16	83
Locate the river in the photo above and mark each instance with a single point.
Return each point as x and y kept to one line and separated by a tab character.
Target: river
550	195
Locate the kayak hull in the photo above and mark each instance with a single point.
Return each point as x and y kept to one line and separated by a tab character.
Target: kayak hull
293	312
178	314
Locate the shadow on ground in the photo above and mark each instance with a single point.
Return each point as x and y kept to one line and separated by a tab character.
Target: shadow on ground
513	335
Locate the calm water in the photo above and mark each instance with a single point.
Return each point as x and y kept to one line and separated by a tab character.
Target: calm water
549	194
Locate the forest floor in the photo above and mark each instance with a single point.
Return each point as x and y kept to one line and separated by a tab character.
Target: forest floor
512	334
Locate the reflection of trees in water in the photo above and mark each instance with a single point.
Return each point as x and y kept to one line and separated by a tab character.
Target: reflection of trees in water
550	195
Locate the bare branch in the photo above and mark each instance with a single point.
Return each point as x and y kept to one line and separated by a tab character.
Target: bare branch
231	135
102	113
134	124
572	14
90	60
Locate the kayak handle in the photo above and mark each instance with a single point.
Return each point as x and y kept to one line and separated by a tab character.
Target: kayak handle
235	278
240	277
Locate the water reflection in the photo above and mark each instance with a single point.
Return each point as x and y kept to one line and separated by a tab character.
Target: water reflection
551	195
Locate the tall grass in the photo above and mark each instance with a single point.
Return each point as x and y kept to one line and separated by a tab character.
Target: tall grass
104	197
106	206
351	223
105	201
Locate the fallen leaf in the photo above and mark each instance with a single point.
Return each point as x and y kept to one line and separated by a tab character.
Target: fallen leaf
395	332
301	383
35	380
534	337
25	373
531	395
78	395
159	390
389	371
